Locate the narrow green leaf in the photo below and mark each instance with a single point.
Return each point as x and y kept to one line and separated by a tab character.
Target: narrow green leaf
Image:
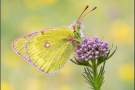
112	53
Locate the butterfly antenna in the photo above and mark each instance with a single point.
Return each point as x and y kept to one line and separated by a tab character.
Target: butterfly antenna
88	13
82	13
86	33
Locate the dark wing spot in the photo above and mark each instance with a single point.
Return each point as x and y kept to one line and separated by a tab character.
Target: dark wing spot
42	33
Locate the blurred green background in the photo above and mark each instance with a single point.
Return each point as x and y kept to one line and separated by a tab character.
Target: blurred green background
113	20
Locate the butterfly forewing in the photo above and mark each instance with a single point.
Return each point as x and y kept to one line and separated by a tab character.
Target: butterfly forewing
19	45
48	50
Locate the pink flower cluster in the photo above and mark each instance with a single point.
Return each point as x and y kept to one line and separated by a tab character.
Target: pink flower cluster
91	48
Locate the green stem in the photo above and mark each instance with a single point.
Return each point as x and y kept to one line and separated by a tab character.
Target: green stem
95	74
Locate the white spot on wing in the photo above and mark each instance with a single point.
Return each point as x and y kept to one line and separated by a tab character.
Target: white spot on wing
47	45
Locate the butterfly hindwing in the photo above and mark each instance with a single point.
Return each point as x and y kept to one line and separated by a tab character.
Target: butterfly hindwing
49	50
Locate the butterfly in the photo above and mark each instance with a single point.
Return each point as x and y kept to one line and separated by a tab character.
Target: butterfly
49	49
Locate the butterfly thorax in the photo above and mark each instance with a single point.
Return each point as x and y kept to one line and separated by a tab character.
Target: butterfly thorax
78	35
